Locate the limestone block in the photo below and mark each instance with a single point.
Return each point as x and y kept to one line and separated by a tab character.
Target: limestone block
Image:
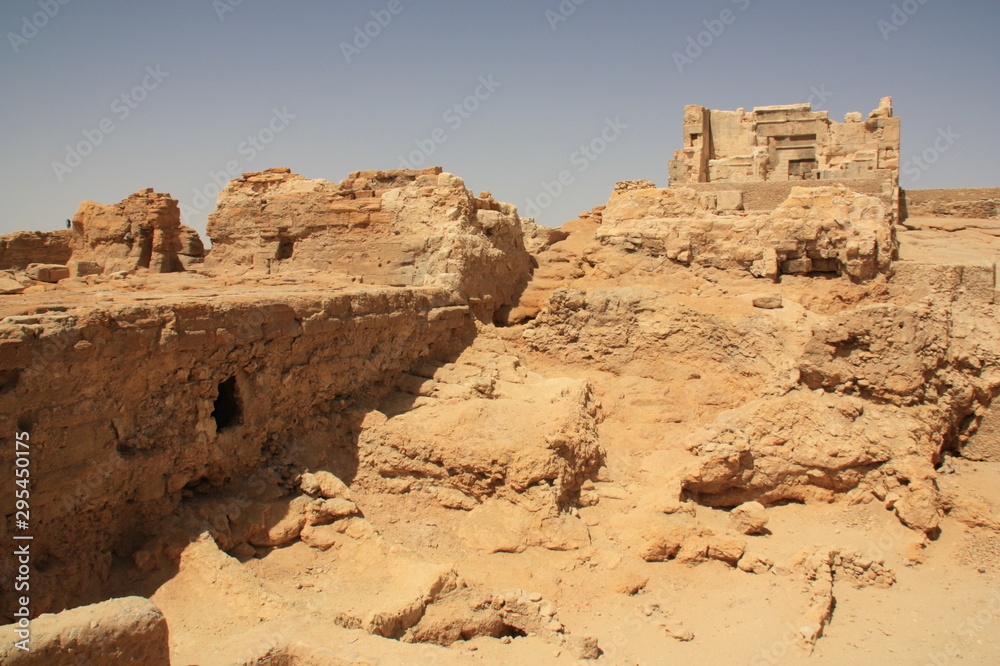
730	200
47	272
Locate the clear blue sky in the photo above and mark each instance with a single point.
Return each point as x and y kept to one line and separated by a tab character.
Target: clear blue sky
165	94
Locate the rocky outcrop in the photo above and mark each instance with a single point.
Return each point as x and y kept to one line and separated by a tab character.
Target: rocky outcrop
144	231
535	439
804	447
133	407
396	228
130	630
817	229
21	248
892	388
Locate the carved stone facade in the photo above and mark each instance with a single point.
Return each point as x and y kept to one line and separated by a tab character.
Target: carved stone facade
785	143
789	144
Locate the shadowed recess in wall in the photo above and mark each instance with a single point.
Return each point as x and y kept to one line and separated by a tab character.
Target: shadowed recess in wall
228	411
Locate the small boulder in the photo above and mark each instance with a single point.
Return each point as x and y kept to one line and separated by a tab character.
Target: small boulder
753	563
726	550
749	518
768	302
321	537
47	272
663	546
629	582
326	511
129	630
323	484
277	523
452	498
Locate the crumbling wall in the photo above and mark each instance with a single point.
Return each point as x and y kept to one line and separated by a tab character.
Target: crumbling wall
977	203
398	228
764	197
132	408
821	229
21	248
143	231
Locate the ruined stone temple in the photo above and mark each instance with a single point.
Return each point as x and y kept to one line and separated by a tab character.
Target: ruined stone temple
385	419
761	155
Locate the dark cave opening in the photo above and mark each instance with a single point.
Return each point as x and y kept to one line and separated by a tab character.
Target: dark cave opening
228	411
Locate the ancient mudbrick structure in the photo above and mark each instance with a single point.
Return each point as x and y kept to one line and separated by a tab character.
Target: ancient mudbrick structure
401	228
737	151
143	231
385	420
22	248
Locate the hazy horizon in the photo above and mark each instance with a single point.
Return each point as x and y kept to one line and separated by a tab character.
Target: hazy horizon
109	98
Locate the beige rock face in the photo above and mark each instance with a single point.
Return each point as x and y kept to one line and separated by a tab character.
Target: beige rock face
397	228
226	384
890	388
804	447
143	231
985	443
130	630
21	248
487	427
824	229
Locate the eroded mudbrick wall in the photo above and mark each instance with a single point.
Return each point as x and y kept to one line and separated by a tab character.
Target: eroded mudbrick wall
22	248
977	203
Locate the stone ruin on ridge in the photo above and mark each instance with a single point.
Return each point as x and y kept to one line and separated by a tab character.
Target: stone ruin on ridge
761	155
781	190
386	419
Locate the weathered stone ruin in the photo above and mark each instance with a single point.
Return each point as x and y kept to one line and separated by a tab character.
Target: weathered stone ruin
143	231
816	230
754	158
968	203
786	143
28	257
22	248
395	228
385	420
